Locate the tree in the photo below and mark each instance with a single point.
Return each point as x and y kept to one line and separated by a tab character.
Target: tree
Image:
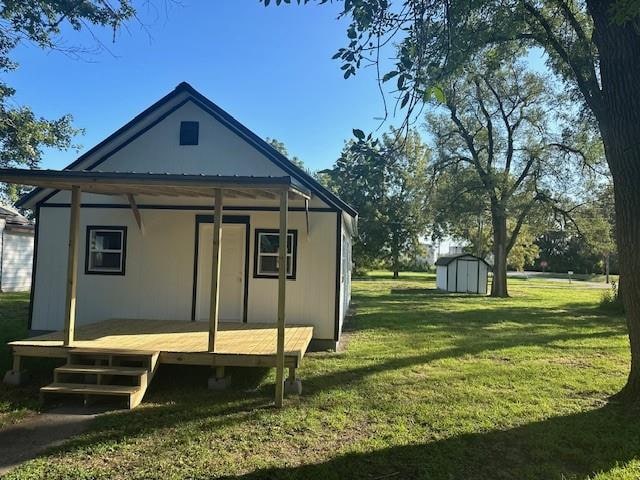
592	45
282	148
586	243
497	144
23	134
387	185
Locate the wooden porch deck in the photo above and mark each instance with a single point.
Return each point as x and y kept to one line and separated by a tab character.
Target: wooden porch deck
176	342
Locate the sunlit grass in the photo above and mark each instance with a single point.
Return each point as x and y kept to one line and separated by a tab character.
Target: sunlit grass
431	386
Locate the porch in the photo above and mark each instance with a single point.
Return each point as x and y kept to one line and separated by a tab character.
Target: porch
120	356
176	342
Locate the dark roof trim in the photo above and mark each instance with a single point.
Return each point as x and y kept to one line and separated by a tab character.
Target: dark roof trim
235	126
446	260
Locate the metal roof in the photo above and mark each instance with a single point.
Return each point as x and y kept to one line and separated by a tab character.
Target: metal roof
447	259
155	184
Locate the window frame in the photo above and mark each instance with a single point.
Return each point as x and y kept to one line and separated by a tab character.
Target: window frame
88	270
257	254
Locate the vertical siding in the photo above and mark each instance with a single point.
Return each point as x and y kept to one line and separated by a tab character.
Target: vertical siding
159	273
17	258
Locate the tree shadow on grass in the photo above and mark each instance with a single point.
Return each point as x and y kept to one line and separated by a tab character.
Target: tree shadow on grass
573	446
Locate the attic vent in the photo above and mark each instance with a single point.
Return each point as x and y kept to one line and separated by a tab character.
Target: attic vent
189	133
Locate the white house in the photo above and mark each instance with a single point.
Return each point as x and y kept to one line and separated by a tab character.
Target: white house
147	243
16	251
462	273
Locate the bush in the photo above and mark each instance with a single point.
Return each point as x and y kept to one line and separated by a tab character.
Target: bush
611	300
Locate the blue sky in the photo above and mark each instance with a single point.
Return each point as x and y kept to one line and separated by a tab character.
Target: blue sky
270	68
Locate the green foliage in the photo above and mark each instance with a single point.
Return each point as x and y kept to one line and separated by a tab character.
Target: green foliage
23	134
282	148
611	299
502	159
584	239
385	180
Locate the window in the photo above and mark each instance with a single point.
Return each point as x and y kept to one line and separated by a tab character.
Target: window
189	133
106	250
267	243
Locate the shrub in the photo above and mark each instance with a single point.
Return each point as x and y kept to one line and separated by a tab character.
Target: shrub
611	299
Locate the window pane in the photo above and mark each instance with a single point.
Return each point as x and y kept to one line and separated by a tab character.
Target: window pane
109	261
268	264
107	241
269	243
289	266
289	243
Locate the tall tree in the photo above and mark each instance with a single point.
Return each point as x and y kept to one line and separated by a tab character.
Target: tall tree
497	139
593	45
23	134
387	185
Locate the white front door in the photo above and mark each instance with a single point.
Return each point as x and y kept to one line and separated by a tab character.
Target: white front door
231	272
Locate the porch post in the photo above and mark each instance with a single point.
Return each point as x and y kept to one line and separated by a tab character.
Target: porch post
282	288
72	267
215	271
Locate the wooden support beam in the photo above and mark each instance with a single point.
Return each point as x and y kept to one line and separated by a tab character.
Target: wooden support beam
282	289
136	212
214	306
306	215
72	267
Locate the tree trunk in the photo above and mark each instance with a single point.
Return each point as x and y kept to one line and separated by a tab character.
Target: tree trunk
395	266
499	284
619	120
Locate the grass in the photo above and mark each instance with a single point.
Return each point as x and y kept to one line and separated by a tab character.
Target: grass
15	403
432	386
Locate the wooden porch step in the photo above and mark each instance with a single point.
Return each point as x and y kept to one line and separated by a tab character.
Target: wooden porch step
102	370
90	389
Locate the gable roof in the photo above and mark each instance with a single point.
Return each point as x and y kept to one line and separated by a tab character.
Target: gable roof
447	259
227	120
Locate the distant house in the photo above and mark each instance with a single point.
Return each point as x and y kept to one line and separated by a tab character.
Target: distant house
16	251
464	273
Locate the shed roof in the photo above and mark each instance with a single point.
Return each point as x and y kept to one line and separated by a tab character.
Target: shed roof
447	259
14	221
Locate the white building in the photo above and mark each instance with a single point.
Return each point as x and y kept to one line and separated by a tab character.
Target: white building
149	256
16	251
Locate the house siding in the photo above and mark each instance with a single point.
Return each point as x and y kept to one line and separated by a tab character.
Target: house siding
159	269
16	256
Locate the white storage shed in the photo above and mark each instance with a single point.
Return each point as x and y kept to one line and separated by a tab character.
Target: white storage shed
16	251
464	273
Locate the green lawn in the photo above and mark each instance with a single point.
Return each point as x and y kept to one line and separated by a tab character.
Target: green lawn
431	386
15	403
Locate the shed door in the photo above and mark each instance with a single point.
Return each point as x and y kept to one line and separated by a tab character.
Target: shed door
232	276
472	276
462	276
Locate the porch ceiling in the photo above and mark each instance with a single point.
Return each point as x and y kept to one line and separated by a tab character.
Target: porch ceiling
156	184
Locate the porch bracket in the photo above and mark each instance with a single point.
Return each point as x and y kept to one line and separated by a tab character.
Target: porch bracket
214	306
72	267
282	288
136	212
306	212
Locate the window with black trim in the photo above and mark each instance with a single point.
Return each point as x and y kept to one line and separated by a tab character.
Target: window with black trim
106	250
266	249
189	133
